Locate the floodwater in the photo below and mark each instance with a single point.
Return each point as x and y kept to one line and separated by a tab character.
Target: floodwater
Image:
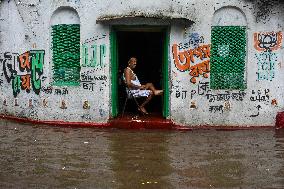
35	156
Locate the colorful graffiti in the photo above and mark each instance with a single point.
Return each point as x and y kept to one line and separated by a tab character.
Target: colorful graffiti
184	59
266	43
24	70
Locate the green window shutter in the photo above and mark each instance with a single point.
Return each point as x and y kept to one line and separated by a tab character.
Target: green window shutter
228	55
66	54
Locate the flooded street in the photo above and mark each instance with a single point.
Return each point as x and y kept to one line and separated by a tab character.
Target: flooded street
61	157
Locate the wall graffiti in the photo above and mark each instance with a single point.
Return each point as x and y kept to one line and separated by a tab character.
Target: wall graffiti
93	54
204	90
259	96
1	80
63	91
223	97
102	112
74	1
266	62
98	55
218	108
194	39
238	96
57	91
9	61
86	116
266	43
24	71
198	56
95	38
181	94
257	114
89	81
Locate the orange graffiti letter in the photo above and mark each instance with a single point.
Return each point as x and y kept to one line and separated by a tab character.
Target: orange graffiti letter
24	60
179	58
26	82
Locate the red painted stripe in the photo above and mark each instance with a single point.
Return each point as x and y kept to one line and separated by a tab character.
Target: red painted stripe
55	123
279	120
128	122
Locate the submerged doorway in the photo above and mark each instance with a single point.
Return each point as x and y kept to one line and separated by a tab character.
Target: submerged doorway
150	47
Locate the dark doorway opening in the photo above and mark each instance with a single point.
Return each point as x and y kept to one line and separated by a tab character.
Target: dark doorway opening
147	47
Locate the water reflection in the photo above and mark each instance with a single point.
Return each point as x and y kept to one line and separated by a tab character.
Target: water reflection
53	157
140	159
231	159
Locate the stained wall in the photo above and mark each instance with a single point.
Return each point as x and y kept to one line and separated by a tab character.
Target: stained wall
28	86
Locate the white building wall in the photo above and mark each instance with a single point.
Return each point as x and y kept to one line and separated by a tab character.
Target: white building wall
26	25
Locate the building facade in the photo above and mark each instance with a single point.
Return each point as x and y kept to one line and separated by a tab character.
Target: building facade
219	62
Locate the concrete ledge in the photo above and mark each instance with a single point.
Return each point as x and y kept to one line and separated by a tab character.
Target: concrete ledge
54	123
141	122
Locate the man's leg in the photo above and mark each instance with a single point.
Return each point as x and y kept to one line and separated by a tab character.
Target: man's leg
153	89
142	106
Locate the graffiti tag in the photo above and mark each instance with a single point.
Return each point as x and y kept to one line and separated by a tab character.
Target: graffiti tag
183	60
24	70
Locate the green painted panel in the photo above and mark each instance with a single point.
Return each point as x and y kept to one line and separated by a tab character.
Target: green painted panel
114	68
66	54
228	54
166	75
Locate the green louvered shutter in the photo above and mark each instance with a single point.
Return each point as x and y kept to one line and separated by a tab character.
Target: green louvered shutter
66	54
228	55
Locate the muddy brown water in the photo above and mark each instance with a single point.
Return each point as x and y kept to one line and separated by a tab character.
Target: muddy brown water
34	156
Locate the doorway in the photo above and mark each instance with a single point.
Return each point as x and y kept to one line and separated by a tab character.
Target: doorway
149	46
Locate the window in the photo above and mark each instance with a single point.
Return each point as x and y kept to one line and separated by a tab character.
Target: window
228	55
66	54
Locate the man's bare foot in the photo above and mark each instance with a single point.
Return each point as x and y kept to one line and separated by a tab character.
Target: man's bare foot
158	92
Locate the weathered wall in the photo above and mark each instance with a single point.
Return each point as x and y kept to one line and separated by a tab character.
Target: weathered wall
26	26
252	106
25	32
